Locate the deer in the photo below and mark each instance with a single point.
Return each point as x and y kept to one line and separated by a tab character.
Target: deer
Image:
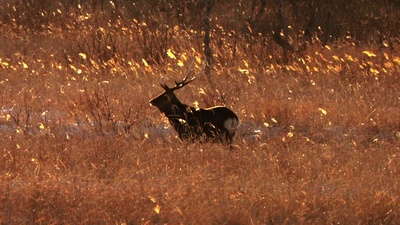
214	124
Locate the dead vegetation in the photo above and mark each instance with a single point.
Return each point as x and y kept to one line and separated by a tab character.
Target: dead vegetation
318	141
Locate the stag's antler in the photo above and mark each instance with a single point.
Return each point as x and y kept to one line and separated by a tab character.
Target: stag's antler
184	82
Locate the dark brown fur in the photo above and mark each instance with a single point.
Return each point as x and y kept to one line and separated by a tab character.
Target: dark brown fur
209	124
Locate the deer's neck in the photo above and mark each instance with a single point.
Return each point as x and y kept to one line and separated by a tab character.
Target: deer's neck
177	109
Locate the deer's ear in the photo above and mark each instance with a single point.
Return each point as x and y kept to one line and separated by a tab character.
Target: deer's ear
165	87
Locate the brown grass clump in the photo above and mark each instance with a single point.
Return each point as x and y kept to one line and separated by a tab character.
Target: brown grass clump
318	141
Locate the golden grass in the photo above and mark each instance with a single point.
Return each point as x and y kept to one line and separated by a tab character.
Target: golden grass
318	141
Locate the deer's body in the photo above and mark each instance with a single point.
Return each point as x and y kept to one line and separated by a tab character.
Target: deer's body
209	124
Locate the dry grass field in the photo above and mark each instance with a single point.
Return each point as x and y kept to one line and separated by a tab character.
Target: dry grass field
318	142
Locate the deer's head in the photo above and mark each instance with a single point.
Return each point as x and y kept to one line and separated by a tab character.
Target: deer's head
166	101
